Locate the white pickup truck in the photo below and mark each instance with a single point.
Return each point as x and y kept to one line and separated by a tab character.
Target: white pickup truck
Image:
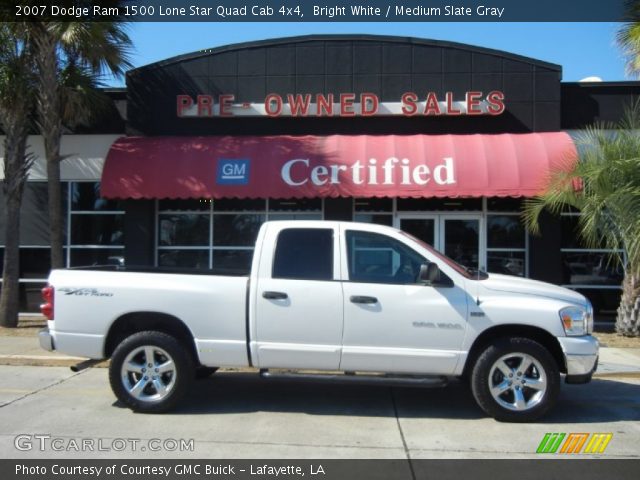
329	300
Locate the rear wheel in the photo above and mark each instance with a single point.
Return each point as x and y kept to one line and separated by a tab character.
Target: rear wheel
150	372
515	380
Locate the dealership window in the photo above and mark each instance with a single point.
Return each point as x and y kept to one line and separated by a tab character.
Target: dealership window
592	271
586	267
504	204
507	242
501	244
373	210
438	204
507	251
204	233
95	227
93	234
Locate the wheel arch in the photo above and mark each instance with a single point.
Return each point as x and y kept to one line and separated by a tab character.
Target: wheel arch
543	337
135	322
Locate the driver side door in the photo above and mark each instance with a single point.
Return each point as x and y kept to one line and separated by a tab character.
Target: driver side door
392	322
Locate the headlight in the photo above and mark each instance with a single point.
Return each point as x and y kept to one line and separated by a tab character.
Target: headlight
589	318
575	320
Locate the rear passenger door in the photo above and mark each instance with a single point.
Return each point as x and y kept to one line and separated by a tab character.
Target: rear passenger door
299	301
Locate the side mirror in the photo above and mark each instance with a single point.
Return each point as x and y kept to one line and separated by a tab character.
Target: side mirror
429	273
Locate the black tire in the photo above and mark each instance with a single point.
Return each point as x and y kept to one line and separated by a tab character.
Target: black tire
519	402
162	348
203	372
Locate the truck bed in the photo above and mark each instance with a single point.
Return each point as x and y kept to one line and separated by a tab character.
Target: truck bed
220	271
210	303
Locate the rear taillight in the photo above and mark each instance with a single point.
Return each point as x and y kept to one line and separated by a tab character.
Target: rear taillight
47	307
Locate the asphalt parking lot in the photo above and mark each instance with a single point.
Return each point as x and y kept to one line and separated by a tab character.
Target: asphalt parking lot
238	415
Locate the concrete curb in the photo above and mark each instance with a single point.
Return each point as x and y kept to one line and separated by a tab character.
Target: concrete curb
39	360
617	375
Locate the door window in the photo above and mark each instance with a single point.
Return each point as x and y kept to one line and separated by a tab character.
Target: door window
375	258
304	254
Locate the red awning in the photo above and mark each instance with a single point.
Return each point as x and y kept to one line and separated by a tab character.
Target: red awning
336	165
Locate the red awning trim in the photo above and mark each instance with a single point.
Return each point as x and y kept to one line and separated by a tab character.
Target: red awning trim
335	166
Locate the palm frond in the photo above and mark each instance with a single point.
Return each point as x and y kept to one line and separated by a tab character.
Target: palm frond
17	76
101	46
81	100
609	201
628	37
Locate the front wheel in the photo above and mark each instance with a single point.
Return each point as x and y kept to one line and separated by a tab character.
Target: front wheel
515	380
150	372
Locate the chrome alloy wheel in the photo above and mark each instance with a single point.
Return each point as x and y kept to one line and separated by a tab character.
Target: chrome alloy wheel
517	381
148	373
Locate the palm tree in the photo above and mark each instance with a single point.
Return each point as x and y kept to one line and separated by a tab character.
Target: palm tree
17	81
628	37
605	187
89	46
79	99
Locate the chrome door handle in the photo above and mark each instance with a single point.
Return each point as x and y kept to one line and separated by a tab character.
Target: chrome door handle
363	299
275	295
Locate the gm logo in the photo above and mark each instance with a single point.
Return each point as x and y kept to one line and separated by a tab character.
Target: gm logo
233	172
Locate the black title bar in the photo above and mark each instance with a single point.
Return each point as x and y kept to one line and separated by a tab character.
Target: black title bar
210	469
318	10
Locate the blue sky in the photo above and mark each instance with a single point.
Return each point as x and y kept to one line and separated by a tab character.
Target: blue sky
583	49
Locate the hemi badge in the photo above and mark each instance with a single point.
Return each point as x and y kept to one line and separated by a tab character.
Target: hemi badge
476	314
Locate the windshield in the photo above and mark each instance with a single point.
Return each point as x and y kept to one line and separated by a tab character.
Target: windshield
467	272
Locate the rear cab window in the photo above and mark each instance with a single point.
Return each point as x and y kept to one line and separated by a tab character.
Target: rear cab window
304	254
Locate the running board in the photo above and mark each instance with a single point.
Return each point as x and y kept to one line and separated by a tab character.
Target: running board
84	365
360	379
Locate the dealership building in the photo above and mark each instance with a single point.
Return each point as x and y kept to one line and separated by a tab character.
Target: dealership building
440	139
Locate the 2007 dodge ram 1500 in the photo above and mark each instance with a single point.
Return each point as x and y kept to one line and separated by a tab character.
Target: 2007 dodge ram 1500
368	301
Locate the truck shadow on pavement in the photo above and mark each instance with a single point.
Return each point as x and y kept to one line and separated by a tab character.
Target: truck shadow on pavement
603	400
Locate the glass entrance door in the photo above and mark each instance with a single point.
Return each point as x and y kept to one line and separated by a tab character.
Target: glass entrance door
422	227
460	239
457	236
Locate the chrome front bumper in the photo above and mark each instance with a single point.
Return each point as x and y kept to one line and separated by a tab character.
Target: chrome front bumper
581	356
46	340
